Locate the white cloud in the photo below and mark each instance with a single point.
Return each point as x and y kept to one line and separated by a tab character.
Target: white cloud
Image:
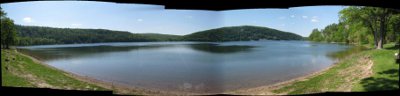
292	16
27	19
305	17
139	20
314	20
76	24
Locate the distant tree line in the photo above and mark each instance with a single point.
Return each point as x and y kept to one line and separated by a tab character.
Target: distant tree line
241	33
35	35
362	25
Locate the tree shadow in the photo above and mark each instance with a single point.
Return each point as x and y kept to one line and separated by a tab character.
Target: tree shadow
395	47
377	84
391	72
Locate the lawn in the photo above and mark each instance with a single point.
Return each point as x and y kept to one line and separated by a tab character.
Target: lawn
353	74
21	71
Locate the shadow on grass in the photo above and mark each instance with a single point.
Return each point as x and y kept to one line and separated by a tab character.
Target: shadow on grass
391	72
377	84
393	48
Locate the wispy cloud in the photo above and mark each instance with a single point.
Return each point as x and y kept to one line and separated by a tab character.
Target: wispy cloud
282	17
139	20
314	19
305	17
292	16
76	24
27	20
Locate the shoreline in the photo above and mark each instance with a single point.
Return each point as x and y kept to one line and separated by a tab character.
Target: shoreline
117	88
270	87
267	89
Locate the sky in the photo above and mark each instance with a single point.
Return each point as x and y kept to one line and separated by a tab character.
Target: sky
141	18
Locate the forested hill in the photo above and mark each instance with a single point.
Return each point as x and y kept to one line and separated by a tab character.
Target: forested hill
161	37
35	35
241	33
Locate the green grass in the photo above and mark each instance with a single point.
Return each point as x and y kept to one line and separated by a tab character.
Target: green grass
385	71
16	68
8	79
384	77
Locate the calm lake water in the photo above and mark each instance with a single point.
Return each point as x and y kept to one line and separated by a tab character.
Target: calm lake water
205	67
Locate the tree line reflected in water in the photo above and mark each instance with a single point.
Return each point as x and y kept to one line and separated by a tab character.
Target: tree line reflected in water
80	51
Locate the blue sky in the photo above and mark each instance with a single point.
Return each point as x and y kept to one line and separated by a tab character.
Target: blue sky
140	18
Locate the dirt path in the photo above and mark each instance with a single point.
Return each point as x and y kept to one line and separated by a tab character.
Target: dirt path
360	70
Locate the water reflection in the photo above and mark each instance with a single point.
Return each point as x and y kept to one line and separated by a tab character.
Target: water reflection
344	53
215	48
76	52
81	51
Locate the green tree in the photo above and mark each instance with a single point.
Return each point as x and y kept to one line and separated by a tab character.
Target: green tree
375	19
394	28
2	15
315	35
330	32
8	33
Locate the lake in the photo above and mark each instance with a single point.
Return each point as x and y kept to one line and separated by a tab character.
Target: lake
201	67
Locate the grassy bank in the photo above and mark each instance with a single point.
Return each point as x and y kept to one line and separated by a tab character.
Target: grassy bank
369	70
21	71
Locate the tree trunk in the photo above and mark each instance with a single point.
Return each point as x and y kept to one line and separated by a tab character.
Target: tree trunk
381	32
374	32
384	26
375	39
380	43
